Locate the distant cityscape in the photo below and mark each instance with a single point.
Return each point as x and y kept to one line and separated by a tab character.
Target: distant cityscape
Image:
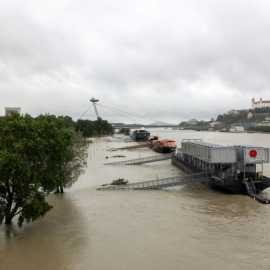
255	119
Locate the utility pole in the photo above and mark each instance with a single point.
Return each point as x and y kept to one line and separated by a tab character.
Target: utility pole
94	102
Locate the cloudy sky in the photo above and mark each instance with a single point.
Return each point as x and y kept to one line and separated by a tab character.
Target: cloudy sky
165	60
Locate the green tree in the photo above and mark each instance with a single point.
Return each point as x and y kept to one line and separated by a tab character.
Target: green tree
66	152
86	127
94	128
102	127
37	156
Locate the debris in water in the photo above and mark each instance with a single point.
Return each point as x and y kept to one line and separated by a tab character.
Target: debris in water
119	181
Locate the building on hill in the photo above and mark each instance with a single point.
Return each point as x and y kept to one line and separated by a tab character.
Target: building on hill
250	115
233	112
260	104
10	110
264	123
237	128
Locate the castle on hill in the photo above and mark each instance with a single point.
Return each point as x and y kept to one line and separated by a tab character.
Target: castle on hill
260	103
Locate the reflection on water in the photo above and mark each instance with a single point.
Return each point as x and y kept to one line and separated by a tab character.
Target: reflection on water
190	227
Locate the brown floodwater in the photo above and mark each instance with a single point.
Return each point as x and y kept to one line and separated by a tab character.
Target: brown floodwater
189	227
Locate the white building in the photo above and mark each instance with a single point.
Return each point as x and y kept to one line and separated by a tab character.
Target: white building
233	112
260	103
11	110
249	115
214	123
265	123
237	129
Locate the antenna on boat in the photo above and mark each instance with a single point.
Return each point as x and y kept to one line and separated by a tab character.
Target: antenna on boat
94	102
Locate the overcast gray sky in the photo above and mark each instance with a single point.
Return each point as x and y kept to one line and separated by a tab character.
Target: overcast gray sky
163	59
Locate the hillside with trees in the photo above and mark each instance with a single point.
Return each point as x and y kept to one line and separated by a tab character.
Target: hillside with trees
253	120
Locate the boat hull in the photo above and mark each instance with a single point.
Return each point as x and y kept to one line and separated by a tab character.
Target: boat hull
229	185
164	149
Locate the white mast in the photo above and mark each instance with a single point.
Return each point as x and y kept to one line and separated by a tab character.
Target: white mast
94	101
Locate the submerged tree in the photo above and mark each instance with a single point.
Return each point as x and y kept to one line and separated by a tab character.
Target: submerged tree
37	156
66	152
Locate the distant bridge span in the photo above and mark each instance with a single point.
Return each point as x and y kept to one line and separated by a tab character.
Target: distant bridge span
137	126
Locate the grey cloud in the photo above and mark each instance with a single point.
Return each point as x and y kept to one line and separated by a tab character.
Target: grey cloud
164	60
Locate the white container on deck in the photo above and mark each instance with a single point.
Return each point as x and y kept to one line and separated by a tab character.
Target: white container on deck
210	153
255	154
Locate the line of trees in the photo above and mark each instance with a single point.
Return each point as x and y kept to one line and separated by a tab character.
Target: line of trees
200	125
96	128
265	129
37	156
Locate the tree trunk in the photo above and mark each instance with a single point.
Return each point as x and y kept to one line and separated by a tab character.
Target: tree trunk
8	219
59	189
8	212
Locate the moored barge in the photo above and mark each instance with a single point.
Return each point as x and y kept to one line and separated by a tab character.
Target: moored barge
140	135
237	169
164	146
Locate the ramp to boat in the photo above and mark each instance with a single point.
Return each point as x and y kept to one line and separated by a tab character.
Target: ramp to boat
252	192
143	160
159	183
130	147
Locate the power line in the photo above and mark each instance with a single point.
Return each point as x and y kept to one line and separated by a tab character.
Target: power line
131	116
85	112
127	115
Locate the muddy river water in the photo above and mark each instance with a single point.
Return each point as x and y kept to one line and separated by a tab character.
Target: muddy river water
189	227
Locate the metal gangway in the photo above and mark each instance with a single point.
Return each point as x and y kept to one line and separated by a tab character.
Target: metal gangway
252	192
160	183
130	147
142	160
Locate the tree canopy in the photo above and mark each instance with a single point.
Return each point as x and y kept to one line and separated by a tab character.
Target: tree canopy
37	156
89	128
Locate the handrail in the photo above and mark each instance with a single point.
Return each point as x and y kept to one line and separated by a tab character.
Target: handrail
141	160
158	183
